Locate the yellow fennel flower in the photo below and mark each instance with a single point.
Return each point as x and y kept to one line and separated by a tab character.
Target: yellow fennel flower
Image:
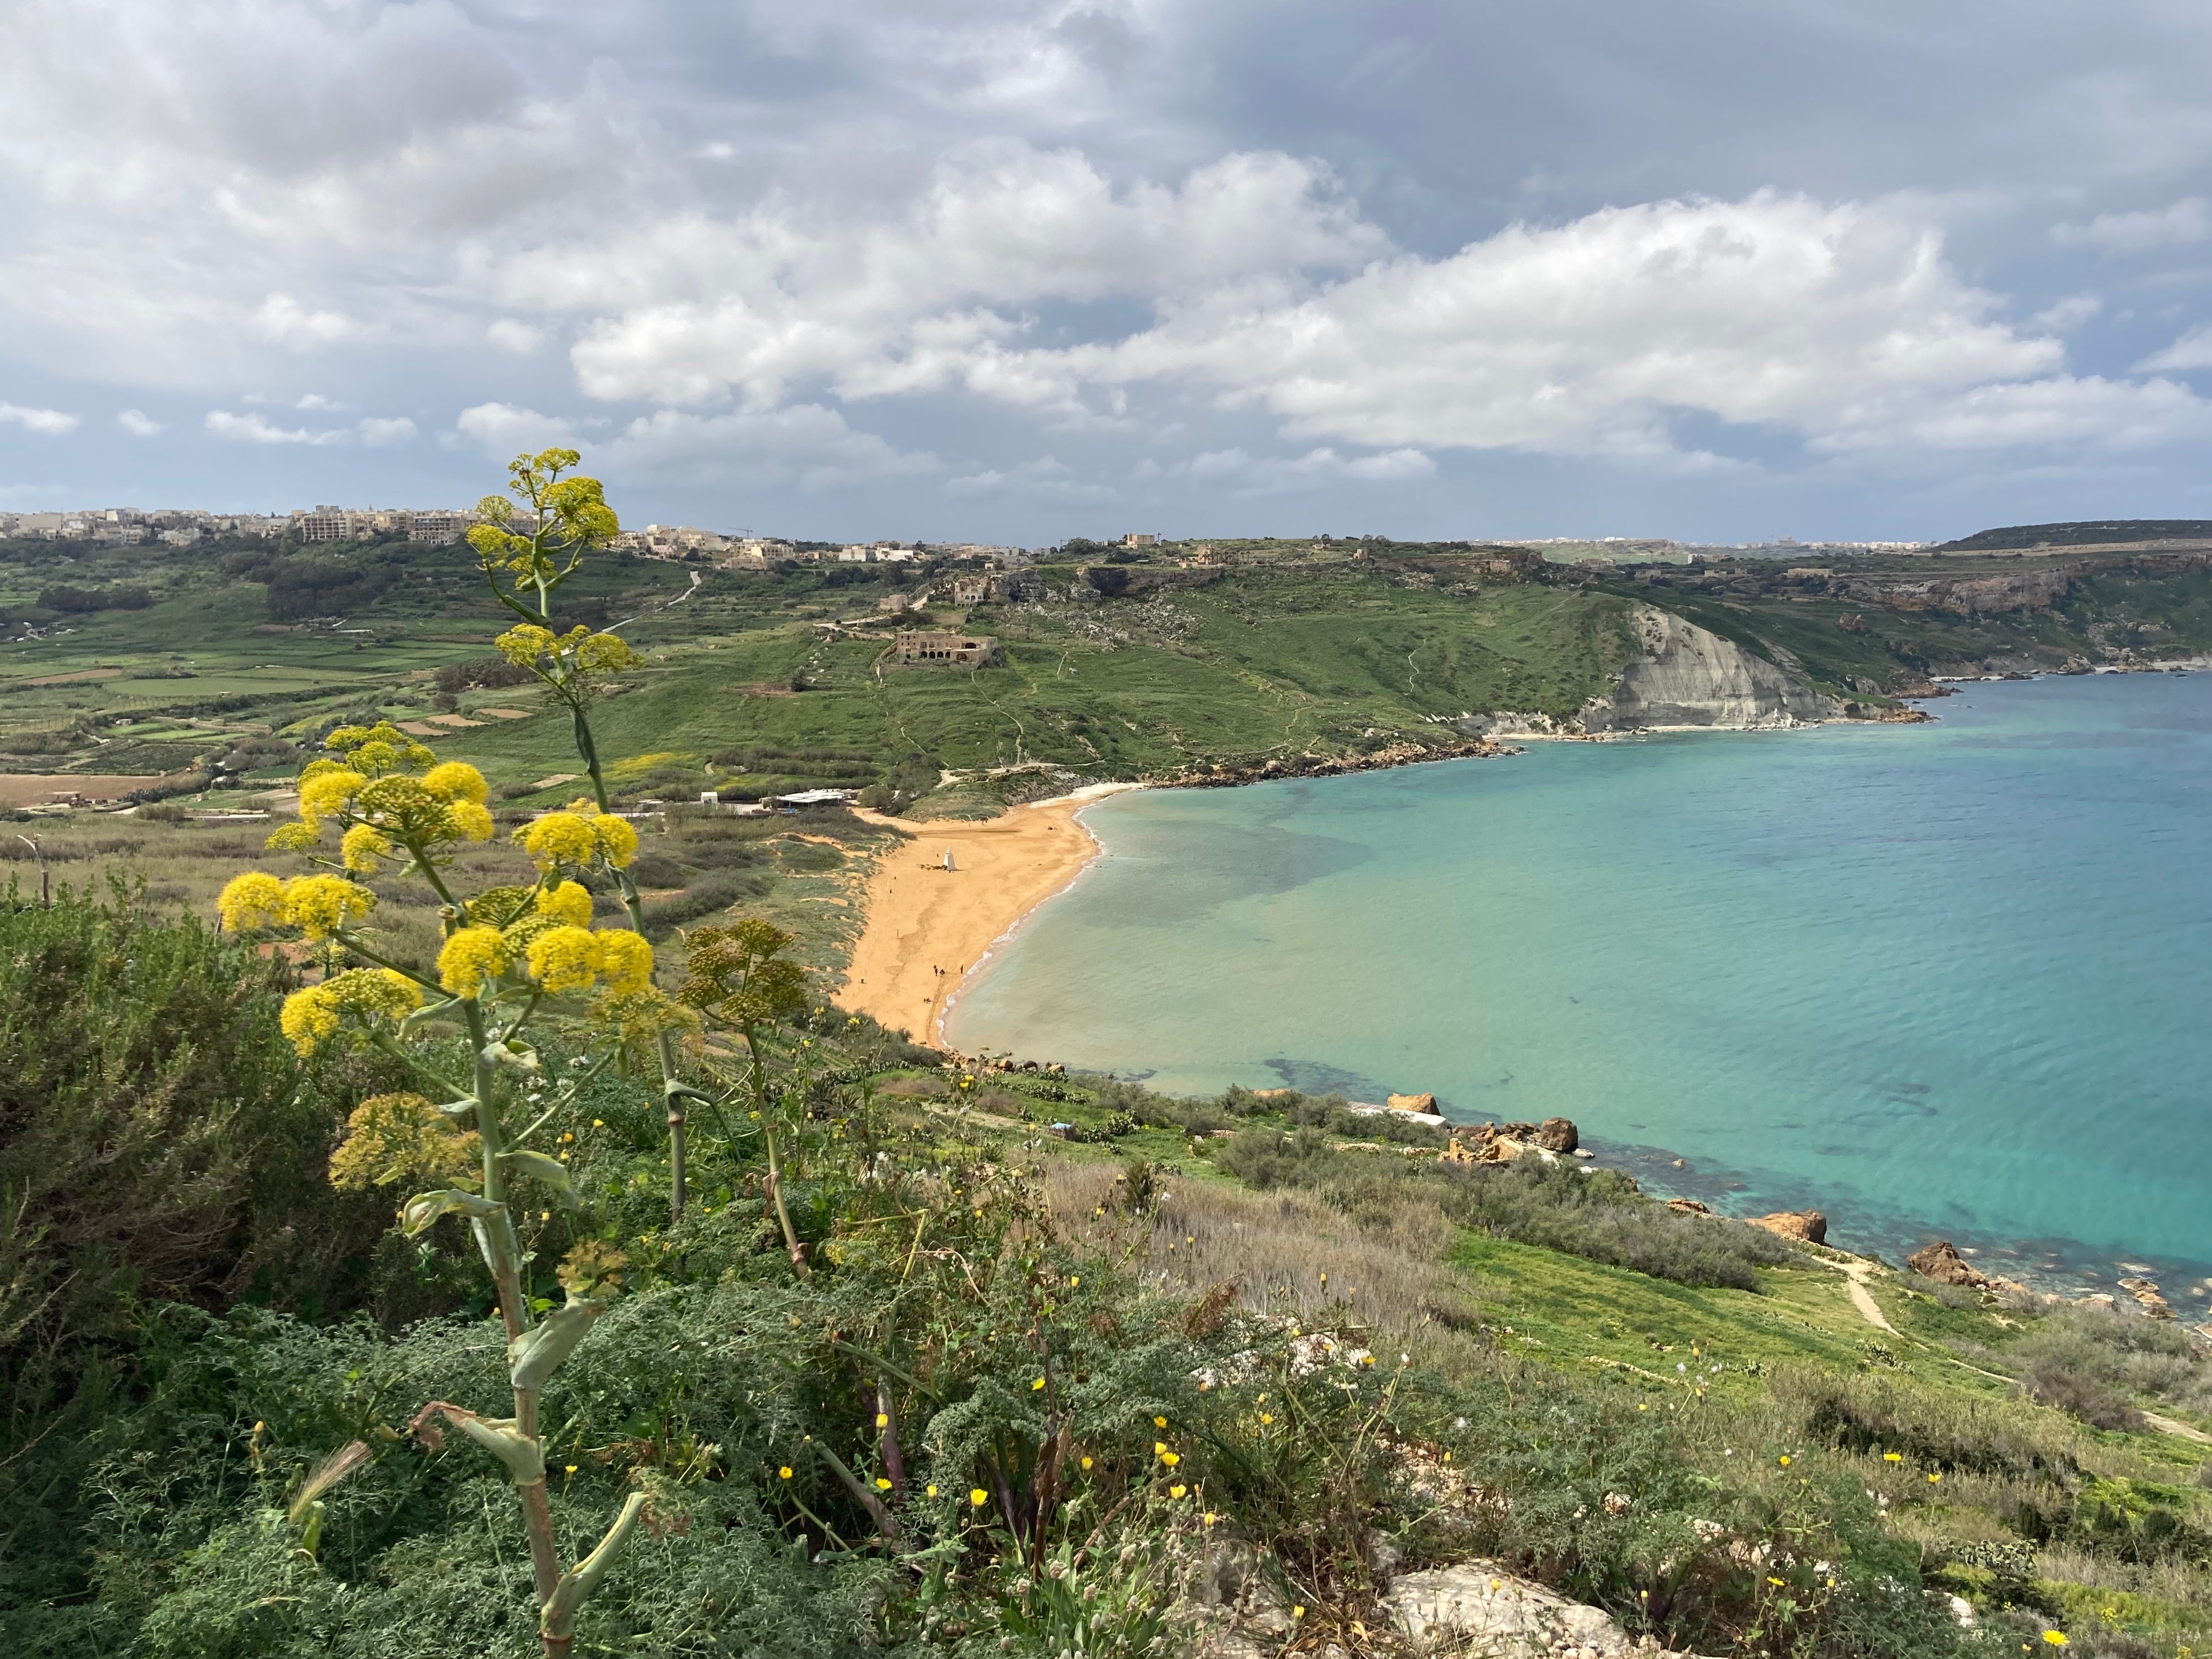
309	1018
361	846
565	959
469	820
294	838
522	646
319	905
618	841
556	839
312	1016
328	793
456	780
470	957
604	654
565	902
249	901
625	961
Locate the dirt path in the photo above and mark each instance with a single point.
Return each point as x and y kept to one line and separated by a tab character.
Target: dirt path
2175	1425
1862	1298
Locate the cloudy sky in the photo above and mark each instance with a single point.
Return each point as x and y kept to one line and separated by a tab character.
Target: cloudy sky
1018	269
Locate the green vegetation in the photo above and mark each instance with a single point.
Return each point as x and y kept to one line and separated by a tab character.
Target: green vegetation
866	1352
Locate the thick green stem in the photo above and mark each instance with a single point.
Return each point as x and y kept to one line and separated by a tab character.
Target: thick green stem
672	1091
503	1256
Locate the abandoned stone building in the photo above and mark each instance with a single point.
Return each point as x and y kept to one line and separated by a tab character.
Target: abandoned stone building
929	648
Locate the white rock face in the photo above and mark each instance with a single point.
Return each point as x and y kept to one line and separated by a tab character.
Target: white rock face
1477	1607
1687	675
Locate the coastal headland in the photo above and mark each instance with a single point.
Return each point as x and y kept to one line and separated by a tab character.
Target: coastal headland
938	903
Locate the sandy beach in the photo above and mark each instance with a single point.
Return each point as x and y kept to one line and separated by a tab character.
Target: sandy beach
927	927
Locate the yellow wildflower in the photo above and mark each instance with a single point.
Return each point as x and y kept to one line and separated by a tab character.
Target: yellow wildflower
1171	1458
1034	1385
328	793
456	780
883	1420
1893	1457
625	960
470	957
401	1137
565	959
558	838
978	1497
785	1471
319	905
929	1492
249	901
1177	1491
603	653
471	820
882	1485
310	1017
523	644
618	841
364	845
2056	1638
565	902
294	838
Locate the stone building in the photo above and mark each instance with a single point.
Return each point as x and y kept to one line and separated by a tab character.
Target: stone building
927	648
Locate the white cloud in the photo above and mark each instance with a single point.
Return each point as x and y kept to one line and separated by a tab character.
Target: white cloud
2192	350
316	400
52	422
258	429
381	433
2064	316
2185	224
693	308
1841	327
519	338
1245	474
1046	477
137	423
806	444
502	431
283	320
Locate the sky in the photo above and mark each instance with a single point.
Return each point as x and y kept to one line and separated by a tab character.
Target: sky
1011	271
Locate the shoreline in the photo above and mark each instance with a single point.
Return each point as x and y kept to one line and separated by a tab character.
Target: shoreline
927	929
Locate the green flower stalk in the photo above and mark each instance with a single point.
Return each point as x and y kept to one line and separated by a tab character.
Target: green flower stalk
514	960
528	542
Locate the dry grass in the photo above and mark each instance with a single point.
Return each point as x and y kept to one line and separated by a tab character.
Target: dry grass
1286	1253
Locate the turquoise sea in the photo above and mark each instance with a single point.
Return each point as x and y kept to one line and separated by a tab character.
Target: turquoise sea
1950	979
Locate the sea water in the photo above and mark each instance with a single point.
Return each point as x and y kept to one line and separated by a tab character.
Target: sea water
1943	980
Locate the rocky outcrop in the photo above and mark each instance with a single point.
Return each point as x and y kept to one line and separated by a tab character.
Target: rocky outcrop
1556	1134
1686	675
1803	1226
1479	1608
2146	1293
1423	1103
1942	1262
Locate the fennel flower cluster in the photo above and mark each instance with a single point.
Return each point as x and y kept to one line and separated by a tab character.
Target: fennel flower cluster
554	942
576	654
574	838
312	1016
317	905
387	792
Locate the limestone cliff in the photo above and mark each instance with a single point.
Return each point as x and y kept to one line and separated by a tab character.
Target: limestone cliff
1685	675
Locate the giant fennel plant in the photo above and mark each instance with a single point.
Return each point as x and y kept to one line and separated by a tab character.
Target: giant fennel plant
517	964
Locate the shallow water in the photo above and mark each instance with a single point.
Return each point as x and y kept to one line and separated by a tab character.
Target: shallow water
1939	979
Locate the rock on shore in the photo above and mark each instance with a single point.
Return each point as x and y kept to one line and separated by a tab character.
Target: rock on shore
1803	1226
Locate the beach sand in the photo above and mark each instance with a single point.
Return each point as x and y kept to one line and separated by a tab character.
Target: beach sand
927	927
